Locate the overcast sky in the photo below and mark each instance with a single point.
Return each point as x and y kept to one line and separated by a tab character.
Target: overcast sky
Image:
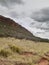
21	7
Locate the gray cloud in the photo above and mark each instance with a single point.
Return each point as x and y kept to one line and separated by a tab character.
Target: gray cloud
15	1
10	2
42	15
13	14
25	8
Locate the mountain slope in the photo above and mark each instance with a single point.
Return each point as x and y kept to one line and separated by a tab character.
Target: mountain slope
8	28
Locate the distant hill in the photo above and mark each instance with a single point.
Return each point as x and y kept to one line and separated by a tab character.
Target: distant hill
8	28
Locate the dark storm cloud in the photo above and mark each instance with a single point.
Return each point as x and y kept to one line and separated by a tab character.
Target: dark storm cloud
42	15
10	2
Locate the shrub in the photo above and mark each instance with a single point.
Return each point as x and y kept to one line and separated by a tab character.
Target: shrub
15	49
4	53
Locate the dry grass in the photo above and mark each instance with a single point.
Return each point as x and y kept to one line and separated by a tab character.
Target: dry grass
17	45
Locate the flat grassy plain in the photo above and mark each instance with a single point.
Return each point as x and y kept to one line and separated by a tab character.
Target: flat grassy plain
38	48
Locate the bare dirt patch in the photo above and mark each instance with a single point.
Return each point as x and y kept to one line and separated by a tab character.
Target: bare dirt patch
28	53
43	61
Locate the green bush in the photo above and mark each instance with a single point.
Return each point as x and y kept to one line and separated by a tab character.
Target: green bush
15	49
4	53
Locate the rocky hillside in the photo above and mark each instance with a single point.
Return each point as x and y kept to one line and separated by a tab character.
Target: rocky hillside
8	28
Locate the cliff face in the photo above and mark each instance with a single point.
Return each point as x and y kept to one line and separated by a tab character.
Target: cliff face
8	28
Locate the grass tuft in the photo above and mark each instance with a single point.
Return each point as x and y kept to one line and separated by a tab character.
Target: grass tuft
4	53
15	49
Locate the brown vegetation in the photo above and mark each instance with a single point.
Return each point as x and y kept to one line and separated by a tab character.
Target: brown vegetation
8	62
